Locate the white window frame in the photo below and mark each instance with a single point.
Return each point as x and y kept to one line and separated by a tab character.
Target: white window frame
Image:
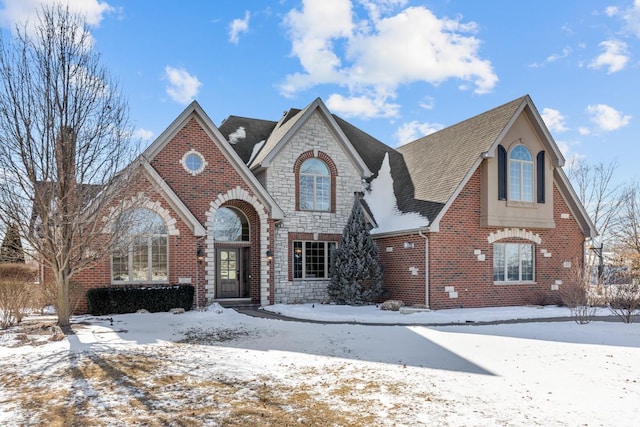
503	248
303	244
315	178
185	163
517	192
130	254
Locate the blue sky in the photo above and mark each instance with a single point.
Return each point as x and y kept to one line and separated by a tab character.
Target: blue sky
398	69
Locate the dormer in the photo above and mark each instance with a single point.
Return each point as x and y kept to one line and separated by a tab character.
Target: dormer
517	182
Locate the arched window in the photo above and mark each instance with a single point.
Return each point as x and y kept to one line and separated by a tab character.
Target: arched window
142	255
315	185
520	174
230	225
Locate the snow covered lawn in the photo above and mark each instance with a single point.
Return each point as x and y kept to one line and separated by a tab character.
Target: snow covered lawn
218	367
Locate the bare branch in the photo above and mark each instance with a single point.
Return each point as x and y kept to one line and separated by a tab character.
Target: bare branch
64	133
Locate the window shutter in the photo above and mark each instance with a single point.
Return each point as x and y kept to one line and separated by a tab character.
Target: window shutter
502	173
540	176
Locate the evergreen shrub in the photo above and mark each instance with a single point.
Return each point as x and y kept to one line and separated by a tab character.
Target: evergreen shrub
356	275
120	300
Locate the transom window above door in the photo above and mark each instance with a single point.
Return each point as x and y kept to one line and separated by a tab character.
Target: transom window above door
230	225
315	186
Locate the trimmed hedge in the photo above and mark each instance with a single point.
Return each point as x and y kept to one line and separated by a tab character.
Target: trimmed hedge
120	300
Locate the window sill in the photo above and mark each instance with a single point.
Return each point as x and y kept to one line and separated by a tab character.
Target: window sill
518	204
141	283
514	282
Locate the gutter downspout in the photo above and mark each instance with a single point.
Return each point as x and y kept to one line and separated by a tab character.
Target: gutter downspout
426	267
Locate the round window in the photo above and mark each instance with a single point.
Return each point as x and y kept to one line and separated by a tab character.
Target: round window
193	162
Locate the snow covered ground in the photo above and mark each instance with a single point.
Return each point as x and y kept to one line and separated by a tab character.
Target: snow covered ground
219	367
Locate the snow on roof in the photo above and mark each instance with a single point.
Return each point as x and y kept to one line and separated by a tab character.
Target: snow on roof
256	150
237	135
384	205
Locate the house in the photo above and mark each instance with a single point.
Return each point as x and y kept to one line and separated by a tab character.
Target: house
477	214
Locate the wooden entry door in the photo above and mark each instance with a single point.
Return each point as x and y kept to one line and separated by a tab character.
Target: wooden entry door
230	273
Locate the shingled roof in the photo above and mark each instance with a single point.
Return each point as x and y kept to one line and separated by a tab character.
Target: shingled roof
439	162
255	131
427	172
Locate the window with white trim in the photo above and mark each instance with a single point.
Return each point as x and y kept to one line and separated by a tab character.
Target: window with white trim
315	185
520	174
312	260
513	262
142	255
193	162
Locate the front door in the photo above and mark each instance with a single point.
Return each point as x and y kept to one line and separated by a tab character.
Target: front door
230	277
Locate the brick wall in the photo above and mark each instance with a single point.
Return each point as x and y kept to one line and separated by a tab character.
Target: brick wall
461	258
197	192
181	247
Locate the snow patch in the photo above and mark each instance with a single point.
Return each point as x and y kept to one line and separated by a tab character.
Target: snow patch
236	136
384	205
256	150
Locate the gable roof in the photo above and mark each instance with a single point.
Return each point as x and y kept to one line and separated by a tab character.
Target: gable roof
373	152
171	197
427	173
288	126
194	110
441	163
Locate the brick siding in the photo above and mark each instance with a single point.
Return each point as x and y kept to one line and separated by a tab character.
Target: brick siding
458	277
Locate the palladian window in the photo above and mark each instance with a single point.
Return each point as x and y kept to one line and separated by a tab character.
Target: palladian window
142	255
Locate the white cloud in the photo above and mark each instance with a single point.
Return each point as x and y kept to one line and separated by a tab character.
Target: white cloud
312	32
19	11
557	56
428	103
413	130
238	26
554	120
631	17
566	148
611	11
143	134
183	87
614	57
584	131
607	118
362	106
378	54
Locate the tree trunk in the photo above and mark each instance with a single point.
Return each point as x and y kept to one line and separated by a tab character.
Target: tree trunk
63	305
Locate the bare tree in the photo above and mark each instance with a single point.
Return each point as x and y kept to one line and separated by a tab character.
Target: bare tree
628	228
597	192
600	196
64	135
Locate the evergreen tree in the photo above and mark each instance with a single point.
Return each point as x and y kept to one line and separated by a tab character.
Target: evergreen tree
11	249
356	275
